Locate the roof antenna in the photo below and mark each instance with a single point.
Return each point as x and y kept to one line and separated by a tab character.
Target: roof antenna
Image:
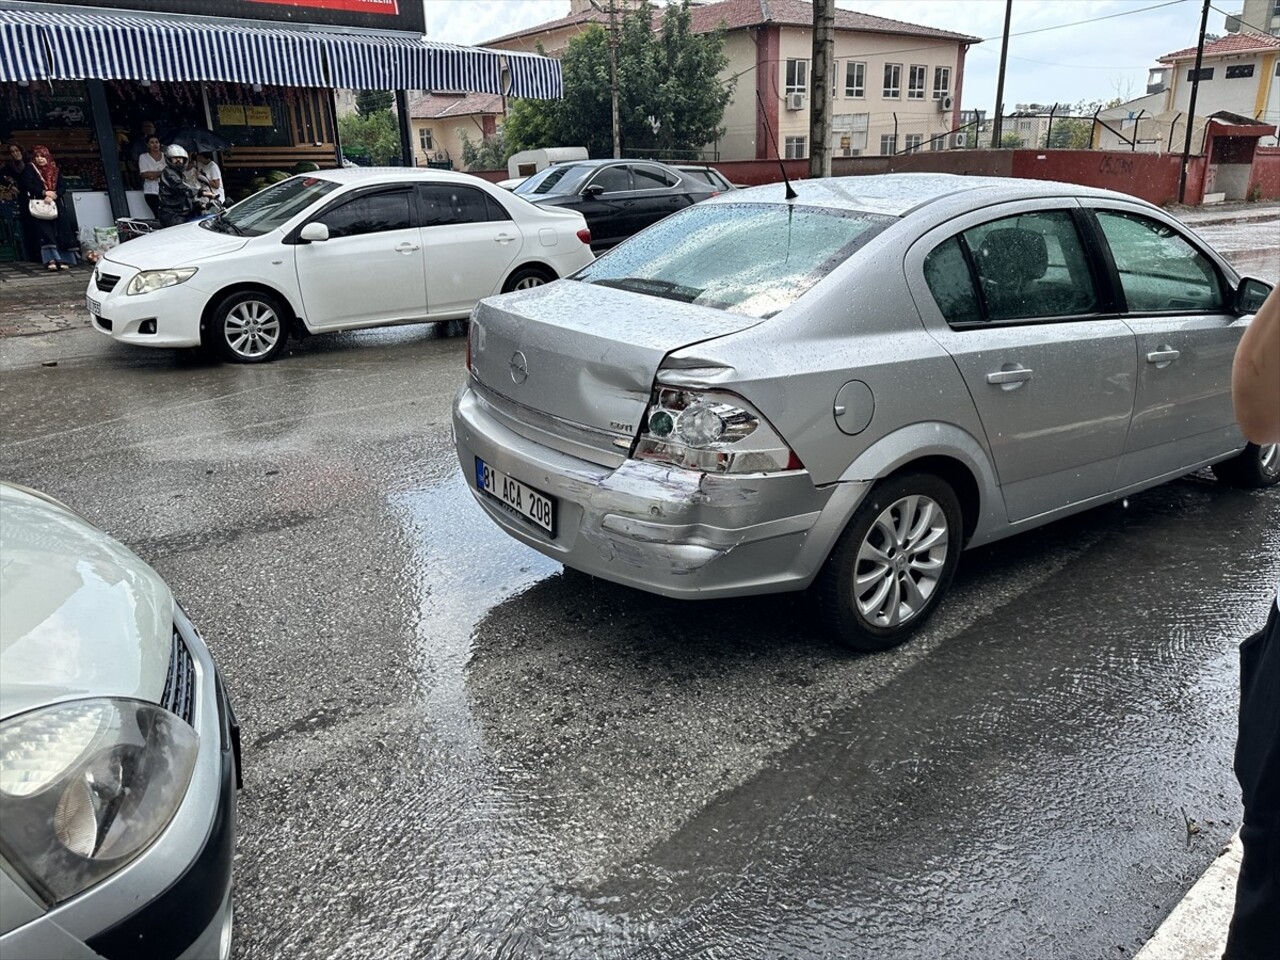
790	194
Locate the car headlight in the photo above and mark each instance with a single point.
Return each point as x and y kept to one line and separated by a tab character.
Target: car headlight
149	280
86	786
711	431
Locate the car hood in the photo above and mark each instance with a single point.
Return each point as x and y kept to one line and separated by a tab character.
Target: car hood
586	353
173	247
80	615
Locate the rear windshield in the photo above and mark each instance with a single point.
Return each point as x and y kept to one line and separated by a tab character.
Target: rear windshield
560	179
748	258
270	208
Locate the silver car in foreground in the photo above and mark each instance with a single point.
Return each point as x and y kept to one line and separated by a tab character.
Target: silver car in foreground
844	390
119	752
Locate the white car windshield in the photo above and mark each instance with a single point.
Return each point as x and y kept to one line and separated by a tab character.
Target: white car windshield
270	208
748	258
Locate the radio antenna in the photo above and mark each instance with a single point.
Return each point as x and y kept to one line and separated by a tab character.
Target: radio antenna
790	194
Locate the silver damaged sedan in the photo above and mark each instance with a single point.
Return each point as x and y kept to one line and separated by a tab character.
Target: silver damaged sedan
842	391
119	752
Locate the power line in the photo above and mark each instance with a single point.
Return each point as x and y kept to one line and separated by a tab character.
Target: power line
1077	23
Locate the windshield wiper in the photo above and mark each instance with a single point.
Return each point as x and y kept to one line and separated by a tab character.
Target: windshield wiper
660	288
222	224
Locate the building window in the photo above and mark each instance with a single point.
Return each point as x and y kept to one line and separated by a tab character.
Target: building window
893	80
794	148
938	143
1240	71
855	79
913	142
424	140
797	76
915	82
1206	73
888	145
941	82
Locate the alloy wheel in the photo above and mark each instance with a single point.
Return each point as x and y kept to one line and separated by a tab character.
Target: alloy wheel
900	561
252	329
529	282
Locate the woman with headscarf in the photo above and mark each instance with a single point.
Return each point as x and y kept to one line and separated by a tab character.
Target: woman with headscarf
54	235
18	182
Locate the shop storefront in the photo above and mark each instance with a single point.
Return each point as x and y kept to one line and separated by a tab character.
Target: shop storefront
83	80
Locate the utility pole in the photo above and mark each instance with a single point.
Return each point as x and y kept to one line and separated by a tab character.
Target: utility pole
613	70
1191	110
824	46
1004	54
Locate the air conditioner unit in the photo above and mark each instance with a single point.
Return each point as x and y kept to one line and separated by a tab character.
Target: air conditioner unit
795	101
945	104
959	139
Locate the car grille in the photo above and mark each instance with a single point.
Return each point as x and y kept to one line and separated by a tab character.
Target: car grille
106	281
180	686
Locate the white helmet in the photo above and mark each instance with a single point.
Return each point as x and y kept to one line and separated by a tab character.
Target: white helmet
175	151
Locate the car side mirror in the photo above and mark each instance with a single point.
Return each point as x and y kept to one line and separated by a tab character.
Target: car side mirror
593	190
313	231
1250	294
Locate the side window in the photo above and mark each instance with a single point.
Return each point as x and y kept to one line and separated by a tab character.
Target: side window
496	210
446	203
613	179
653	178
1032	265
1159	270
372	213
951	283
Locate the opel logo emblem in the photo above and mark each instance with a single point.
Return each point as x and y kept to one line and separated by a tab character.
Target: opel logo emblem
519	368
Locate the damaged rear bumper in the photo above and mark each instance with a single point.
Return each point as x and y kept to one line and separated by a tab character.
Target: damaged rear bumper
678	533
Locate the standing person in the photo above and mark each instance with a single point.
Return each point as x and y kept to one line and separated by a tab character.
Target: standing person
19	176
142	143
52	234
177	196
150	166
208	168
1255	925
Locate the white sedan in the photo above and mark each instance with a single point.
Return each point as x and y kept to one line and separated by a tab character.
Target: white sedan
328	251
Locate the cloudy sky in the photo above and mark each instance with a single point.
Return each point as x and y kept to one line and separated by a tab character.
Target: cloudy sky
1105	56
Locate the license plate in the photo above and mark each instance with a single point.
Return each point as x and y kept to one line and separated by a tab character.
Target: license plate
534	506
93	306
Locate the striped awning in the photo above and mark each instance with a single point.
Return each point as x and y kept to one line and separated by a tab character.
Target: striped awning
110	46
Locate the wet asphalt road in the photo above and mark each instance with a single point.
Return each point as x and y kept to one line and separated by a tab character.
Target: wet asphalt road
455	749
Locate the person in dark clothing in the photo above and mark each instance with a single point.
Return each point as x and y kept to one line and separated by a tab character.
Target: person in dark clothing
177	195
1255	924
21	182
57	237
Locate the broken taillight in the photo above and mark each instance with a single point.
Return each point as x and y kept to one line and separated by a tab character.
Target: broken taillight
713	431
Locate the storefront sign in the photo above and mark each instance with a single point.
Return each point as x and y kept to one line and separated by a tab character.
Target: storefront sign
407	15
258	116
231	115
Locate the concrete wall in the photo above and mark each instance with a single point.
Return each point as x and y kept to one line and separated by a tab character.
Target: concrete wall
1266	173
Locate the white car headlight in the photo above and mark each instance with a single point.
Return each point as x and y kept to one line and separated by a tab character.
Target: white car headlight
86	786
149	280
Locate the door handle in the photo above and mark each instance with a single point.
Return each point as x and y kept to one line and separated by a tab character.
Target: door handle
406	247
503	238
1163	356
1017	375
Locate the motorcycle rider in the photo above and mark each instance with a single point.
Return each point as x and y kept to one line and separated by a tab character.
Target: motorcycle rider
177	195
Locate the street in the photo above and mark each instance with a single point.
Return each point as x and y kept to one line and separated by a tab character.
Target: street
455	748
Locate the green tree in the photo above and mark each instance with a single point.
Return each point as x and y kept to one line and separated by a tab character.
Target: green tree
369	102
1070	133
670	97
490	153
376	135
1010	140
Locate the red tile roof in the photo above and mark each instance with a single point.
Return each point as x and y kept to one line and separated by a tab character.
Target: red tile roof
736	14
1231	43
749	13
440	105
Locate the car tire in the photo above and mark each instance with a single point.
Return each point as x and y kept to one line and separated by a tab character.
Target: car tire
1255	467
526	278
249	326
915	523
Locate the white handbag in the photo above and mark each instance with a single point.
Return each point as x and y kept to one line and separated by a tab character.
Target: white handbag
43	209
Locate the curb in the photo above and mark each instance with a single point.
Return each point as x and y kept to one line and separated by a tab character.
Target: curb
1196	929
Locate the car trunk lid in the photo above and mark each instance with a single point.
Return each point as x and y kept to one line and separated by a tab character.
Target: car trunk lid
585	355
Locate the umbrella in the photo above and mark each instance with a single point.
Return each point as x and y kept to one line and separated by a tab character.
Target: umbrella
198	140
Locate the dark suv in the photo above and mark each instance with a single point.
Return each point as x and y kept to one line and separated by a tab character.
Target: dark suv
617	197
